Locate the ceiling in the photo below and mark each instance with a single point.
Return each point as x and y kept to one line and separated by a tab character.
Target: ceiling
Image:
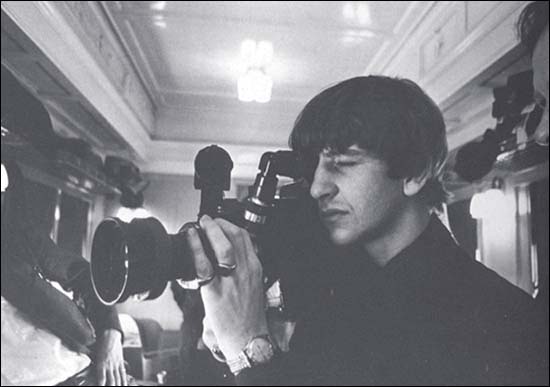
155	81
187	54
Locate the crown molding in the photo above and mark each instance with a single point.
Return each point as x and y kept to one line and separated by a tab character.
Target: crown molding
50	26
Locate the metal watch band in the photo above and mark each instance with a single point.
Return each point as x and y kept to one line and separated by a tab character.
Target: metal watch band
239	364
245	358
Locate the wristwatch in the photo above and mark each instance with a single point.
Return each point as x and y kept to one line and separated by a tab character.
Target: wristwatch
259	350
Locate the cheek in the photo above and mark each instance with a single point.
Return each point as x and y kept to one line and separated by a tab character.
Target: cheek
377	198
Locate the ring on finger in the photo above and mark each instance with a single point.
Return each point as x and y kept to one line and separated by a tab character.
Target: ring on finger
225	270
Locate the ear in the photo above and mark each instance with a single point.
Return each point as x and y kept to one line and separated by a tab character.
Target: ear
413	185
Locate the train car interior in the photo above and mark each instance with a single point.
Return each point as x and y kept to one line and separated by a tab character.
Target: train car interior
126	124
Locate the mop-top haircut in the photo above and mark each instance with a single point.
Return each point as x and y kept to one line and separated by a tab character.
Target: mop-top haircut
392	119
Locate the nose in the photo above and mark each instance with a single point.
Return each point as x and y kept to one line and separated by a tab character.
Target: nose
322	187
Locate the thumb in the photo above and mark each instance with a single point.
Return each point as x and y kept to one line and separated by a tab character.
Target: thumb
208	335
210	341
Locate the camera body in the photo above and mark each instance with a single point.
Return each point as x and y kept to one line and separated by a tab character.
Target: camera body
140	257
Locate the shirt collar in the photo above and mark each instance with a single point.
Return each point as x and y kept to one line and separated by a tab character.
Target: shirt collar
435	239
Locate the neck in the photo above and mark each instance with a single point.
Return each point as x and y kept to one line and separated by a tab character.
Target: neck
398	234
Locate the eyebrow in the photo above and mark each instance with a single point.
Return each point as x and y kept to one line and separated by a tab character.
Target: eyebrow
355	152
348	152
331	151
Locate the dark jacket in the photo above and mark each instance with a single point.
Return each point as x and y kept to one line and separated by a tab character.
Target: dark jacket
431	316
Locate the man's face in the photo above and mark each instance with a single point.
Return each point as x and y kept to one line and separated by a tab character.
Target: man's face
540	83
357	200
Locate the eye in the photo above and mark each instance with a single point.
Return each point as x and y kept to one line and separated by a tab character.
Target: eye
344	163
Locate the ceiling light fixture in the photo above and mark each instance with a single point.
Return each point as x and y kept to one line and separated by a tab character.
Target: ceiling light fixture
255	84
348	10
358	12
159	21
363	14
158	5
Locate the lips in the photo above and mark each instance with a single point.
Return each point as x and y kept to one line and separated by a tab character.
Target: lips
332	214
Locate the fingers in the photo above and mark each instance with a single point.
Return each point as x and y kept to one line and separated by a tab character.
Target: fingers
202	264
230	244
123	377
253	258
221	239
117	377
101	375
110	377
113	376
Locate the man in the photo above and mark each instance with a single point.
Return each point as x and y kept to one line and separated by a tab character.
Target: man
406	306
533	32
46	338
403	304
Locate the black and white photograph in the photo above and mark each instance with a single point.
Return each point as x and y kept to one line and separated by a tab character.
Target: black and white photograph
277	193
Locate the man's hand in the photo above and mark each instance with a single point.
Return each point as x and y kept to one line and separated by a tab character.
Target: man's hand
234	305
109	359
209	340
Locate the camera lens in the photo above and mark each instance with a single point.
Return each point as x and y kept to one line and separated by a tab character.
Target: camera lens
109	264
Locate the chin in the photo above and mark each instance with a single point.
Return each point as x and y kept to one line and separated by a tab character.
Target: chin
342	237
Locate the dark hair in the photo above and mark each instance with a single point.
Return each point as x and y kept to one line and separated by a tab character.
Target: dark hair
531	23
391	118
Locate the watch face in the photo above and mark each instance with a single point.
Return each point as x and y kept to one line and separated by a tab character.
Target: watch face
259	351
